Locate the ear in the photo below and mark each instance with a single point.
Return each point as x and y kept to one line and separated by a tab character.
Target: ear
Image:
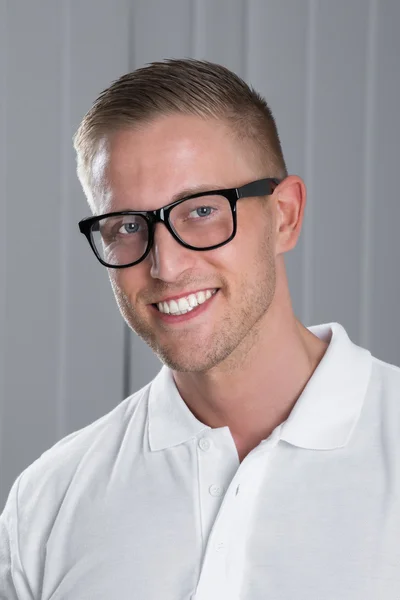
290	201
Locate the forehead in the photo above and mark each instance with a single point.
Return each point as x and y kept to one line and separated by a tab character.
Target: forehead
143	168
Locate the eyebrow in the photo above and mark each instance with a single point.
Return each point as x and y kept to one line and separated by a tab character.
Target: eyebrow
189	191
197	189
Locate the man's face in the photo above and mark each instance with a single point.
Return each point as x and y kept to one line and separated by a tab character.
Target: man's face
144	169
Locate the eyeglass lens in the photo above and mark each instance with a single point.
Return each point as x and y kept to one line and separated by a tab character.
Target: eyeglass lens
200	222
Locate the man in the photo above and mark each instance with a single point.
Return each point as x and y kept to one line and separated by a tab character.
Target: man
263	460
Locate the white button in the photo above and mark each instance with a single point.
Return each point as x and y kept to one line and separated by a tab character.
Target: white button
216	490
205	444
219	547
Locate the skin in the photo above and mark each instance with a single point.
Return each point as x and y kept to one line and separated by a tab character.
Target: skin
244	362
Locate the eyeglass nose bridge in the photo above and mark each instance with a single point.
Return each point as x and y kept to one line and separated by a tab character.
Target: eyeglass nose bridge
160	215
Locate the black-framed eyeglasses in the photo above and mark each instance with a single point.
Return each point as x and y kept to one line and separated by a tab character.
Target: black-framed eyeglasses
202	221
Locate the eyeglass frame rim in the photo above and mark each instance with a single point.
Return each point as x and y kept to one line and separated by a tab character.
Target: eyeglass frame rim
258	188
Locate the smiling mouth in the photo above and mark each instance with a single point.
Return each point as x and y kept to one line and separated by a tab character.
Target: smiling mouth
186	304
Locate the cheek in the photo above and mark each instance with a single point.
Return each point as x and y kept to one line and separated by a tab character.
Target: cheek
233	258
124	283
252	254
244	247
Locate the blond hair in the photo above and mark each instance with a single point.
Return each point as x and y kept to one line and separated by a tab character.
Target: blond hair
186	86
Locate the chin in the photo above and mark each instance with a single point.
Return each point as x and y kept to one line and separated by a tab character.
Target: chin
195	361
189	363
184	365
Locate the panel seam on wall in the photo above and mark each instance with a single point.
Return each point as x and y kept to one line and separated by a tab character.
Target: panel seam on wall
245	67
366	237
131	29
64	218
196	21
3	172
307	266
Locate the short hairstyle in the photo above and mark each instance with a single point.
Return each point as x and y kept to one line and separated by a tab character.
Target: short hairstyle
185	86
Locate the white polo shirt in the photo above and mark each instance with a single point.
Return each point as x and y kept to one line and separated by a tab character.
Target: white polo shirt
148	503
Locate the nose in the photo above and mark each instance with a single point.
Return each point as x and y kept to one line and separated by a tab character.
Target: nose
168	258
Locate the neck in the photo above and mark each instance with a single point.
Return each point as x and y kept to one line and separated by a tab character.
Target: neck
255	390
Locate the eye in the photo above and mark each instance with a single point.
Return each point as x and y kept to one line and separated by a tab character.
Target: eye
128	228
201	211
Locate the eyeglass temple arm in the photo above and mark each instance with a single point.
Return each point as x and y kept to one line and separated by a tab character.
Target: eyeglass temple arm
262	187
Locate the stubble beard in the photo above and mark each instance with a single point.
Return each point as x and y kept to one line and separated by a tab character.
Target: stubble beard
234	335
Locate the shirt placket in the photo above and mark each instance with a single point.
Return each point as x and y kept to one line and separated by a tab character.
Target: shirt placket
225	522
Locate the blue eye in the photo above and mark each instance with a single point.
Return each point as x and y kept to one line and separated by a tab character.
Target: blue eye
202	211
129	228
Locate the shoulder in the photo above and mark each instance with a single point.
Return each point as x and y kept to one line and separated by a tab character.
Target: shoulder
45	482
53	486
384	394
386	375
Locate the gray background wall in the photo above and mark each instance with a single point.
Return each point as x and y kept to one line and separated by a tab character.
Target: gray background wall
330	70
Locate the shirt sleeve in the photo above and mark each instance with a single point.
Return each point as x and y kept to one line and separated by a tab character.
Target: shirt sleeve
13	581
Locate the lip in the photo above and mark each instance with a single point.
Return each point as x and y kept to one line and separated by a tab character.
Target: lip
170	319
183	295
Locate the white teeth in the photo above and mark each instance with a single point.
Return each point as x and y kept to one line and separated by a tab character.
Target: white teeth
192	300
184	305
173	307
201	297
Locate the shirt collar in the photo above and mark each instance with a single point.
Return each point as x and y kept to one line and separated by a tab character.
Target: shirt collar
170	420
323	418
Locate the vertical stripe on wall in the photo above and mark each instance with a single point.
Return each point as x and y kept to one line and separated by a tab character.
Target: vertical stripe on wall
367	238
